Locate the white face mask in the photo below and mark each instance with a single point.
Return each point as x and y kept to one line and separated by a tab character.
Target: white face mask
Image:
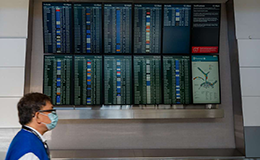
54	120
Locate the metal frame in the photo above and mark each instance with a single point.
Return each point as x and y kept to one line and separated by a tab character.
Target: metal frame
235	78
147	154
139	113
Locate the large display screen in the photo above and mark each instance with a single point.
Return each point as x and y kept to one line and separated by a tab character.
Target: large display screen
88	80
147	80
205	28
87	28
131	53
176	75
176	28
118	79
57	27
57	83
205	80
147	28
117	28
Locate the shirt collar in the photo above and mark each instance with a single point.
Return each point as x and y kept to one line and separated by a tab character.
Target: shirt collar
42	138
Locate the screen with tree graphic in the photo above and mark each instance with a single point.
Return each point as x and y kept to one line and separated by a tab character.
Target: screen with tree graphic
205	80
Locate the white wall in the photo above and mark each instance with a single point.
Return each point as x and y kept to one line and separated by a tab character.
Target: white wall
247	18
13	36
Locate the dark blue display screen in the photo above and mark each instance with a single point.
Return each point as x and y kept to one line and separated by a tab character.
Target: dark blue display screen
117	28
147	28
176	29
57	27
87	28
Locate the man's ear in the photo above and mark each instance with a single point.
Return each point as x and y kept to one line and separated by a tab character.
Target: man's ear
37	118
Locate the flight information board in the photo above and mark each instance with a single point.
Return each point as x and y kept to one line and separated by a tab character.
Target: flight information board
147	28
147	80
88	80
176	28
118	79
205	80
117	28
57	27
57	79
87	28
177	75
205	31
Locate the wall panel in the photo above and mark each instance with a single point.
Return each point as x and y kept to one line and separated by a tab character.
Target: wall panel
14	14
13	51
11	82
249	53
9	118
247	19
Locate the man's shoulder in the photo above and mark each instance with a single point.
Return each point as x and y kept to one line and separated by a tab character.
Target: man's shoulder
24	133
25	138
25	142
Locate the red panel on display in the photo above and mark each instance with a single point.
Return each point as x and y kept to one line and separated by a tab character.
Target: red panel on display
205	49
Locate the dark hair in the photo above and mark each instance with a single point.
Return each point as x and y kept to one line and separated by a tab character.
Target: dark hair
29	104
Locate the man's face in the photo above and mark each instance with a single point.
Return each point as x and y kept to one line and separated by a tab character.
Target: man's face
43	117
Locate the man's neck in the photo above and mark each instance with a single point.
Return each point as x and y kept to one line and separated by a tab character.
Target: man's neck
37	129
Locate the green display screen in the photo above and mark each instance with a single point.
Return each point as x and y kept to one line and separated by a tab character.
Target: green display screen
177	77
88	80
58	79
117	80
147	80
205	80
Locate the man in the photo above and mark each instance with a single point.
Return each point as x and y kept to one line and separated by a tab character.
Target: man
37	116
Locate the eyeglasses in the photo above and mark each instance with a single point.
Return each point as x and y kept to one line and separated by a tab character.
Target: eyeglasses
50	110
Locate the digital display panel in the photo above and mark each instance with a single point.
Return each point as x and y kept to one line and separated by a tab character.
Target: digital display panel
117	28
205	28
147	80
87	28
118	79
58	79
205	80
177	75
176	28
147	28
88	80
96	79
57	27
